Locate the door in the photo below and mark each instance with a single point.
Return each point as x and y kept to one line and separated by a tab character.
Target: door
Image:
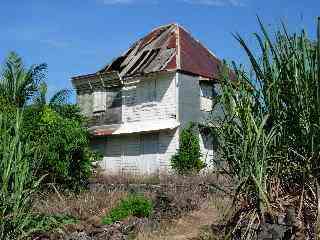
131	153
149	153
113	157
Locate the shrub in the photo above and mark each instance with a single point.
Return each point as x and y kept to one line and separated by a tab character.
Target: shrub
188	158
134	205
64	145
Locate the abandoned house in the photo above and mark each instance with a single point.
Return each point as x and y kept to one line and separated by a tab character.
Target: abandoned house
138	104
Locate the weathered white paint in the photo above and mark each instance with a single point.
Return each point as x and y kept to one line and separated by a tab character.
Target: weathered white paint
206	147
150	99
148	135
168	145
146	153
189	99
85	102
139	148
193	107
99	101
146	126
206	96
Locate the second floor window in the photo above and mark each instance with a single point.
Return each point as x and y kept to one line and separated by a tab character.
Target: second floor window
99	101
149	91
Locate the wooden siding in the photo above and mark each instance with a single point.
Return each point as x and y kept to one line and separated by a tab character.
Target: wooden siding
85	102
147	153
150	99
189	99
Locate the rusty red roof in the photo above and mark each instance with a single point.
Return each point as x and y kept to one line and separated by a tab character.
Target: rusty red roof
166	48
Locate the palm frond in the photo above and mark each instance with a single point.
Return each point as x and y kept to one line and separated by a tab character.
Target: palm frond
59	98
17	83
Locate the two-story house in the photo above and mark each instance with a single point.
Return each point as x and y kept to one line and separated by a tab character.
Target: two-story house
139	103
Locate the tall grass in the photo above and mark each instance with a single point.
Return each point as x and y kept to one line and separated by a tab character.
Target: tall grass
270	131
16	180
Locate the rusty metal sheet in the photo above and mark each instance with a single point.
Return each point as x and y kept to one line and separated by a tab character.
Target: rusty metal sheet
168	47
195	58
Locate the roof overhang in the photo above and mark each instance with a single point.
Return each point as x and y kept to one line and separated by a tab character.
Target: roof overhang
135	127
96	81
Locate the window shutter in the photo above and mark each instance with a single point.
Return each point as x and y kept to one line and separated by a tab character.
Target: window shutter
99	101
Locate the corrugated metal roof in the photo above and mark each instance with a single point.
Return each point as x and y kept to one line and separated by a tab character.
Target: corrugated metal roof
168	47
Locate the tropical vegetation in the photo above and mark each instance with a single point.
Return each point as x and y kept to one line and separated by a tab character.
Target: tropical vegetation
187	160
41	143
270	131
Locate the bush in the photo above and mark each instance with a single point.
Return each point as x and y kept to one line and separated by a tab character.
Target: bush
134	205
188	158
64	145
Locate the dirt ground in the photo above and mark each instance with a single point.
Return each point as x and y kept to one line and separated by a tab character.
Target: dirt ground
192	226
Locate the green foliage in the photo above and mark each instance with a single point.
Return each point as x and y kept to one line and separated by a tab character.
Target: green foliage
188	157
47	223
18	84
271	126
58	100
17	182
63	143
7	108
54	128
133	205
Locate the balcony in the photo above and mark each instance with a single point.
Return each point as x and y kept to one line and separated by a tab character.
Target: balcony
110	117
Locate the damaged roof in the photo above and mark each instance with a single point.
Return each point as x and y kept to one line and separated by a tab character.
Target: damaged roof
166	48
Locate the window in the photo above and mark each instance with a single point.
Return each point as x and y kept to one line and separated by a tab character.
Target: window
115	99
206	90
208	94
99	101
149	91
130	96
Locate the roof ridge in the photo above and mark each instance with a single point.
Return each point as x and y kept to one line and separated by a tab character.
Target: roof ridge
164	26
197	40
178	46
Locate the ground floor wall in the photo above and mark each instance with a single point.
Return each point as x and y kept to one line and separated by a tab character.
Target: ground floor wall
141	153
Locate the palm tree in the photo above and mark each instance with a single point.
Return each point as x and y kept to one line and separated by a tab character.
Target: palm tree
17	83
59	99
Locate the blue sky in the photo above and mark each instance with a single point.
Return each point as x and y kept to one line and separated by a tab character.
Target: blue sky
80	36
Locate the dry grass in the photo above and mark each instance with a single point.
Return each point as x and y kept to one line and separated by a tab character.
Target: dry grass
82	206
195	225
125	178
184	207
207	178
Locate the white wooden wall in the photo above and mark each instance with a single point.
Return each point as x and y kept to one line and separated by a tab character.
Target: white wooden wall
189	99
145	153
150	99
190	109
85	102
164	97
